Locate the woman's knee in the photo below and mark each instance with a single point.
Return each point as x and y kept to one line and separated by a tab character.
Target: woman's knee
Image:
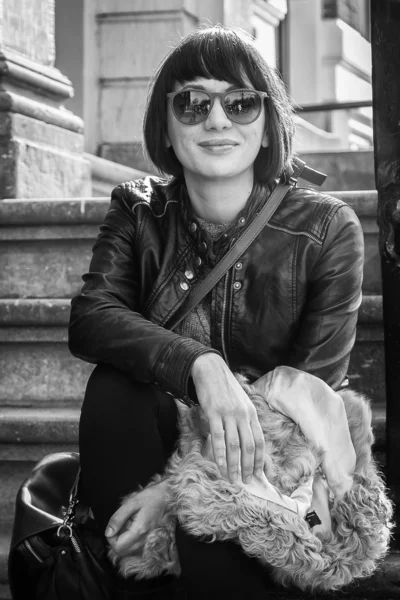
106	381
115	402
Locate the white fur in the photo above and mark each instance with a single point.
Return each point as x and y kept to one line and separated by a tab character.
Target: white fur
208	505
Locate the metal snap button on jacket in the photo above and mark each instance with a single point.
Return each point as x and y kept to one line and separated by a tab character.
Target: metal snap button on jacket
237	285
242	221
193	227
184	286
239	266
189	274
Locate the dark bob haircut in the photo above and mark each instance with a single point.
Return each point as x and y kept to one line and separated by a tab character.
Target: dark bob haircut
228	55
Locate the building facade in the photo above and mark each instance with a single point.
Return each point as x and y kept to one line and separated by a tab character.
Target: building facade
74	77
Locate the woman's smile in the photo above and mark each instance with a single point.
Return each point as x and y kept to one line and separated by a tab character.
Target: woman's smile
216	146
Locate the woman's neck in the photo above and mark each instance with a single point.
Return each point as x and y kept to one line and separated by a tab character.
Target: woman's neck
219	201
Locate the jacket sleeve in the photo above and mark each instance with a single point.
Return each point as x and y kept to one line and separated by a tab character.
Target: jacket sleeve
327	329
105	325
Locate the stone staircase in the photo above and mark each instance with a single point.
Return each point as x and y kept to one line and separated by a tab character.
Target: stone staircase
45	246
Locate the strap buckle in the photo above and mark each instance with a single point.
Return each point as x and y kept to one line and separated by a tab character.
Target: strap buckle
299	169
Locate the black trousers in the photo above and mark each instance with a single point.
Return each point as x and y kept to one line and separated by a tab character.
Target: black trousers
127	432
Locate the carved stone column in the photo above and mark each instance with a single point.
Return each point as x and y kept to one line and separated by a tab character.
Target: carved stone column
41	143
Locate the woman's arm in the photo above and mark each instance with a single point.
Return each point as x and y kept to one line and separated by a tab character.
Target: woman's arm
105	325
327	329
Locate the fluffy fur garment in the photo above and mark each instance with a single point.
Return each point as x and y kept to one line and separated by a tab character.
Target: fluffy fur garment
211	507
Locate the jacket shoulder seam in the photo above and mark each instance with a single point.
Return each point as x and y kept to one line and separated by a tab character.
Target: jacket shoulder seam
317	223
296	232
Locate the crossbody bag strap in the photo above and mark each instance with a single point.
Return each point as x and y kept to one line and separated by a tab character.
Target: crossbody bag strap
242	243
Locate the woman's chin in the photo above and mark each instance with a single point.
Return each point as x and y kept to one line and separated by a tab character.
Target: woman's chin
220	170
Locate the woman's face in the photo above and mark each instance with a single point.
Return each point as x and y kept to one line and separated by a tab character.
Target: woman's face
217	147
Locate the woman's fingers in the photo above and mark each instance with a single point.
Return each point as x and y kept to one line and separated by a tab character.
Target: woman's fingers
232	443
131	540
134	536
238	441
259	443
247	447
226	446
218	442
121	516
148	507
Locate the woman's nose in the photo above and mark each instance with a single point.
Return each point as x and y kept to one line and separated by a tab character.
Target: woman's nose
217	119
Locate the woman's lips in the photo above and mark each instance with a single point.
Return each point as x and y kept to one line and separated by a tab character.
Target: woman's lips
218	146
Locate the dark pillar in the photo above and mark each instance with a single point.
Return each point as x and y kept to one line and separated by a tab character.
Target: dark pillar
385	39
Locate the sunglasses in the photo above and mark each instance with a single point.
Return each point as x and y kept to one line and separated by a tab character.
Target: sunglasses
192	106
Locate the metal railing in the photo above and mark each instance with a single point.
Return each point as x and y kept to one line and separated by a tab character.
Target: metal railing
327	106
336	125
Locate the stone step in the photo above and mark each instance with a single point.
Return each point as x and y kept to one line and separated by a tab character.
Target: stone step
346	170
37	367
41	371
23	426
46	245
44	373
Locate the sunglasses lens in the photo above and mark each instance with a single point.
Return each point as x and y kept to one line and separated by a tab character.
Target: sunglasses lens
243	106
191	106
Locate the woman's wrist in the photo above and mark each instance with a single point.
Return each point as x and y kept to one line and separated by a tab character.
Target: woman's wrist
203	363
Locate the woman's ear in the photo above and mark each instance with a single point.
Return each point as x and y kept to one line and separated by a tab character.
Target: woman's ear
265	140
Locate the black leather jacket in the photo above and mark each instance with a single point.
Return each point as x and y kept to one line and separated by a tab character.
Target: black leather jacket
291	299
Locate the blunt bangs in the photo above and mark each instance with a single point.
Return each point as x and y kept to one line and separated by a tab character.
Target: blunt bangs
215	53
224	54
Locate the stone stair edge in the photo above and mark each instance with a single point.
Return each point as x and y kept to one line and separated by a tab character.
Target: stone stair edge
39	425
19	312
363	202
57	211
61	211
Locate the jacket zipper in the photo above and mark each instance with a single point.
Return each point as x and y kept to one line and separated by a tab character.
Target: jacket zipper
32	551
223	318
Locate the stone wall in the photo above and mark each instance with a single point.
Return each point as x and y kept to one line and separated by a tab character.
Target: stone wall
41	143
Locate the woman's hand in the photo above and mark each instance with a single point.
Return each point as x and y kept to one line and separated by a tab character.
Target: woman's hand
235	431
128	528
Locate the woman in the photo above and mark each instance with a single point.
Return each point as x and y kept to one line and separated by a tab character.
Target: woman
219	121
